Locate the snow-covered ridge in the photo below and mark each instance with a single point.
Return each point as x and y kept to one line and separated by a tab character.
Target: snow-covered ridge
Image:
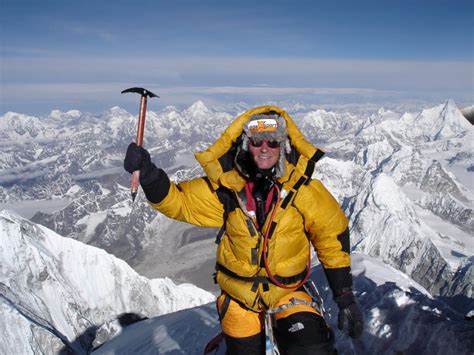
408	188
400	317
55	291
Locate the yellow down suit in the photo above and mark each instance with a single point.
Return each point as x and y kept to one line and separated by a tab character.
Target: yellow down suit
306	215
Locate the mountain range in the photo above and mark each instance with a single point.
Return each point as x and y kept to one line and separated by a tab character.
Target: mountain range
60	296
56	291
403	178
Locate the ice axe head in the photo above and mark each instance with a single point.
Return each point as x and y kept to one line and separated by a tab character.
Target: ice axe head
145	94
141	91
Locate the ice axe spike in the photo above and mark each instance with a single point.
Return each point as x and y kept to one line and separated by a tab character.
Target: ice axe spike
140	130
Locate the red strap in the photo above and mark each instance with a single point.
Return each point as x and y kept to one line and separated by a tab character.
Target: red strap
265	250
251	204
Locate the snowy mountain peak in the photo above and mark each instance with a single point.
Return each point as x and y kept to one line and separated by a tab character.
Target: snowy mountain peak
169	108
74	113
387	195
116	117
197	110
440	122
20	126
11	116
116	110
59	115
453	115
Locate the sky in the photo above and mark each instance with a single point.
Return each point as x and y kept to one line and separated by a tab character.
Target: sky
81	54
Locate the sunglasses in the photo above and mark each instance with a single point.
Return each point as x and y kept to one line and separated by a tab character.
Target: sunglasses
270	144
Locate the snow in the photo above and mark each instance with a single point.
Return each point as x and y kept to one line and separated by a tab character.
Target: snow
178	333
186	160
122	209
387	195
73	190
197	110
379	273
69	286
92	221
60	115
464	177
453	243
377	166
414	193
399	316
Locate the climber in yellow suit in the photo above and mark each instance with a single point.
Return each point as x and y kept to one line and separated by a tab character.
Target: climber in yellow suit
258	189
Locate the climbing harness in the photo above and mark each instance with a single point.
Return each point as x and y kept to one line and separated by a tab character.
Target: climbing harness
271	346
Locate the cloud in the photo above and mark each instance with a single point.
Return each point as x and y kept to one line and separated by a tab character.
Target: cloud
269	90
107	91
99	97
92	83
242	71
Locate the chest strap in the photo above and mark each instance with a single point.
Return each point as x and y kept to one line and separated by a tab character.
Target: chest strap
286	280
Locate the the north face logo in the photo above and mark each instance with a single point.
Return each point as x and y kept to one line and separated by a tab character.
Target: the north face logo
296	327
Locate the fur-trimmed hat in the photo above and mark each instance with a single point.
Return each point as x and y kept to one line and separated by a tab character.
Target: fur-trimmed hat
271	127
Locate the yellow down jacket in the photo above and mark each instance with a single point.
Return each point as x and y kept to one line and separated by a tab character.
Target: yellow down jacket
306	213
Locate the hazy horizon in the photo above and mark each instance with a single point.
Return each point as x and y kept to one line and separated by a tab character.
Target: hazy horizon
66	55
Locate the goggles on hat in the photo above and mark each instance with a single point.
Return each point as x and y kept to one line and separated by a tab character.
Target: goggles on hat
262	125
259	143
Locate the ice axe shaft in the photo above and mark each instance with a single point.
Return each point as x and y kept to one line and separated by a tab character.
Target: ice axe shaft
140	132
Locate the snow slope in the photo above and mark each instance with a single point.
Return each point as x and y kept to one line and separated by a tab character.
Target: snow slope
400	317
55	292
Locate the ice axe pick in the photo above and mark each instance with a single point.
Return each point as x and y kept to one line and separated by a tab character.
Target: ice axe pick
140	130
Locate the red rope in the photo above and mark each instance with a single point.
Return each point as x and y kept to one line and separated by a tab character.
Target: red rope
265	247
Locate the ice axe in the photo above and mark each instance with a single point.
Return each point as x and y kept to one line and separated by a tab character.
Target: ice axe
140	129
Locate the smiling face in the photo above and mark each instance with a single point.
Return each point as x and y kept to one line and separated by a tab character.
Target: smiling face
264	155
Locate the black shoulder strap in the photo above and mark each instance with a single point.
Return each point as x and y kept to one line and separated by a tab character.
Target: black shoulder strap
228	202
304	179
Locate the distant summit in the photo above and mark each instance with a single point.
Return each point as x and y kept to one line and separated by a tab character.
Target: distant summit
197	110
59	115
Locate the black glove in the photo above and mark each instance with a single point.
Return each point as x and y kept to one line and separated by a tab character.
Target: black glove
137	158
154	181
349	312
